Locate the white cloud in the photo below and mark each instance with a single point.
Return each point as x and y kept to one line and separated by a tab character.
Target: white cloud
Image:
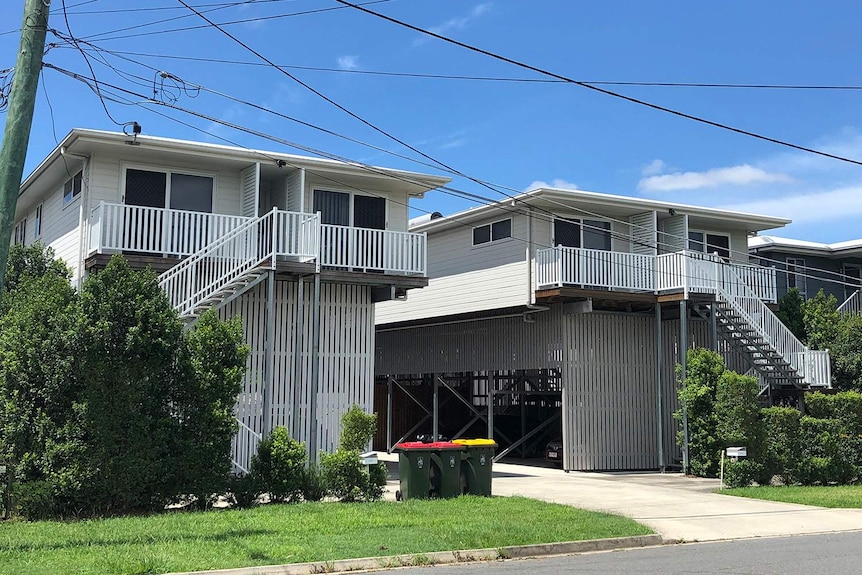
555	183
741	175
456	143
653	168
458	23
806	208
348	62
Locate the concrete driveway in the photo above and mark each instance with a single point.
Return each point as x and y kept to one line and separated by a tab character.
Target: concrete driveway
679	508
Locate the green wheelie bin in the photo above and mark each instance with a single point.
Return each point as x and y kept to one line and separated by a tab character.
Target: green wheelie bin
476	465
428	470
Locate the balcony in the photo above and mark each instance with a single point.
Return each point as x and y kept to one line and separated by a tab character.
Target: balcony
685	271
299	237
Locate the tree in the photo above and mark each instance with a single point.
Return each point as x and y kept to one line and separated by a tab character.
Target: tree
791	315
845	352
205	402
821	317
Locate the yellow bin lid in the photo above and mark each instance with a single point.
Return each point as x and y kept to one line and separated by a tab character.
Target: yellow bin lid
475	442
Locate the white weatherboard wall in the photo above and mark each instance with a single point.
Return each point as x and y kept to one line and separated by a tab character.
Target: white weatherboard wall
345	360
465	278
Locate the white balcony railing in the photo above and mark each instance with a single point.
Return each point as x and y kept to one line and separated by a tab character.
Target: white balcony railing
159	231
124	228
644	273
373	250
595	268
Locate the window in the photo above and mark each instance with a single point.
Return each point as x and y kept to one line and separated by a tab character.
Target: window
20	233
795	275
853	273
72	189
37	222
708	243
176	191
335	209
590	234
492	232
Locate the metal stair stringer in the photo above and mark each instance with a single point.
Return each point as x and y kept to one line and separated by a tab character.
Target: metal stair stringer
772	366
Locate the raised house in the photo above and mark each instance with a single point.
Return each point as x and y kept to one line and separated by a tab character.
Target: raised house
299	247
563	314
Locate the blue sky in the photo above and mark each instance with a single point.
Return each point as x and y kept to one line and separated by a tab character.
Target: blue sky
516	134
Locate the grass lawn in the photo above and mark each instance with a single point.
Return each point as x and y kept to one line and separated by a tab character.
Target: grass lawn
276	534
830	496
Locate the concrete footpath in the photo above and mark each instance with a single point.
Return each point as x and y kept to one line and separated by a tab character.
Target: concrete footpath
679	508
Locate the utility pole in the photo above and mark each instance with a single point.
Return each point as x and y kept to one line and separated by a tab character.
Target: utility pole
19	118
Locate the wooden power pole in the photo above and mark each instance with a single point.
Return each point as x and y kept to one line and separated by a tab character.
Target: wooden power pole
19	118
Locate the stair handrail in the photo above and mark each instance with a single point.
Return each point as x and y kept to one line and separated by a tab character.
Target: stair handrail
745	301
238	251
852	305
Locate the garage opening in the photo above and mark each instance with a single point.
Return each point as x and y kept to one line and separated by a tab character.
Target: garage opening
521	409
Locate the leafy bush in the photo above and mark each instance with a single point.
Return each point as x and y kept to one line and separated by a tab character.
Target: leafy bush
342	472
313	483
697	395
105	397
357	429
790	313
741	473
781	447
280	465
35	500
243	490
821	318
827	456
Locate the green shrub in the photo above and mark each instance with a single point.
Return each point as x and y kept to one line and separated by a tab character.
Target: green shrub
243	490
35	500
357	429
280	465
827	456
741	473
343	474
697	398
782	450
313	483
104	396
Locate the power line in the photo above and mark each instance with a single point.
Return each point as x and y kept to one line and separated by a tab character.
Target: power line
456	218
597	88
229	23
167	8
499	79
452	191
171	19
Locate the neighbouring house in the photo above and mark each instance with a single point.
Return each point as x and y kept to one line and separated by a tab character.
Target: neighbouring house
812	266
299	247
564	313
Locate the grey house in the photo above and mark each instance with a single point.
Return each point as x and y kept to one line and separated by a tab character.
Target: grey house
811	266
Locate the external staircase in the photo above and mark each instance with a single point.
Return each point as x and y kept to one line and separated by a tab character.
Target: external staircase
239	260
750	327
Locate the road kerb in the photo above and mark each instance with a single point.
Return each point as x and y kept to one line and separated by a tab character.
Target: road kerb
440	557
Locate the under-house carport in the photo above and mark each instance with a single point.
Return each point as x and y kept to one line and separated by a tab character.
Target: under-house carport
604	381
520	409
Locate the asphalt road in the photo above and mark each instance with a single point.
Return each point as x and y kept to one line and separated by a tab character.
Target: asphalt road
831	554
